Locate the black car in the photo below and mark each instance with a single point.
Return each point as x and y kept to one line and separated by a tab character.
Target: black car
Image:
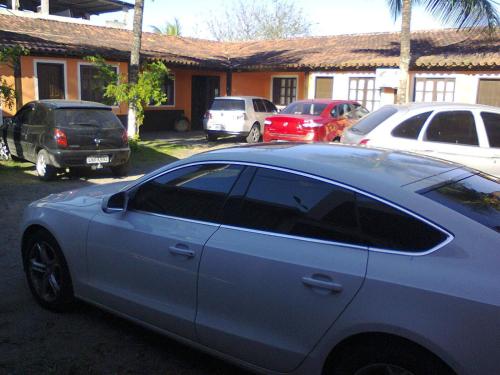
60	134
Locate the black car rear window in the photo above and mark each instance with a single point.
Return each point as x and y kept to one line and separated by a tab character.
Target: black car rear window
73	117
228	105
372	120
477	197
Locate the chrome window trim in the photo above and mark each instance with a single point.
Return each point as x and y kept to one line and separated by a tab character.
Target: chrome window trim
176	218
449	235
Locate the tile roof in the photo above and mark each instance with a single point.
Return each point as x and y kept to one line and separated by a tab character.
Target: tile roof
445	49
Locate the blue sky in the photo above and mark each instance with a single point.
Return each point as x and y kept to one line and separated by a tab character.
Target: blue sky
329	17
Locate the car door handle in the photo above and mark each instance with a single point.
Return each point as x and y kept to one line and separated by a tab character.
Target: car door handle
330	285
180	249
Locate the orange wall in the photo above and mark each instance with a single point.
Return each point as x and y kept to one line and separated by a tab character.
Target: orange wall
260	83
182	89
71	82
7	77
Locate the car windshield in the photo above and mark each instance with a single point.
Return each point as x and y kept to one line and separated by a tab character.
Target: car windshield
228	105
304	108
102	118
374	119
477	197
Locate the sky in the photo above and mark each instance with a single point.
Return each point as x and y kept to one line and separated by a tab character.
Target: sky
329	17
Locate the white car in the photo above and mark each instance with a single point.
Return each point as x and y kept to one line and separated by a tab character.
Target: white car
238	115
468	134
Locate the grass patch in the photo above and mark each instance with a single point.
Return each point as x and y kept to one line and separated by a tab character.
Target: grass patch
153	152
17	172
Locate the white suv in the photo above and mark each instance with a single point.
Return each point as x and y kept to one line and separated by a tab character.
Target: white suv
237	115
463	133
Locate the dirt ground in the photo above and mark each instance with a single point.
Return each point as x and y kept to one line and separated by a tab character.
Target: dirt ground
88	340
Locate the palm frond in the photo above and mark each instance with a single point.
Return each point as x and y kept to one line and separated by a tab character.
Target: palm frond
465	13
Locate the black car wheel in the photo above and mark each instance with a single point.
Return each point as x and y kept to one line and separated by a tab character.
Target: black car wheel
45	171
47	272
254	134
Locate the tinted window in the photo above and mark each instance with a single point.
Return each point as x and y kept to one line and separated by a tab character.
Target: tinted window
270	107
25	115
341	110
258	105
196	192
295	205
40	115
97	118
304	108
492	126
476	197
453	127
228	105
385	227
411	127
374	119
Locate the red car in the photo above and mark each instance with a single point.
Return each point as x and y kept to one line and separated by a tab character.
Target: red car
318	120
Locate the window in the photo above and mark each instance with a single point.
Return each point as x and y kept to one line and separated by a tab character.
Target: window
453	127
492	126
228	105
168	88
323	88
304	108
411	127
358	111
258	105
91	85
25	115
477	197
284	90
87	117
196	192
374	119
434	89
488	92
270	107
341	110
50	77
291	204
363	90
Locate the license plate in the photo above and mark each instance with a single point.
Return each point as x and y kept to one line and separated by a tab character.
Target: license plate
97	159
215	127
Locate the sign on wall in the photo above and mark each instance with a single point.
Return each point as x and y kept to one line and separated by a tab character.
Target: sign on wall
387	77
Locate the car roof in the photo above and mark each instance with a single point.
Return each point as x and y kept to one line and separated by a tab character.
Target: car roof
61	103
376	170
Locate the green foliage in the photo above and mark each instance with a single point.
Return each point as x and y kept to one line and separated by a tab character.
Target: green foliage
9	56
170	28
148	88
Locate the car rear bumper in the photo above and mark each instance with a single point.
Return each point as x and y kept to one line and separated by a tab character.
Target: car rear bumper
74	158
218	133
308	137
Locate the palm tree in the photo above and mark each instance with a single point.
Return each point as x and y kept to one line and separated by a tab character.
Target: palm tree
170	28
458	13
135	56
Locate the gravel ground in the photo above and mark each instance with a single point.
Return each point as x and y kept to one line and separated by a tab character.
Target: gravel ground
87	340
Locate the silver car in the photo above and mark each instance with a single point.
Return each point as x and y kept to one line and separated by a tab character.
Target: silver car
242	116
299	259
463	133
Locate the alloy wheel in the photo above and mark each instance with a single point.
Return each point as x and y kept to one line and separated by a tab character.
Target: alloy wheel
44	271
41	164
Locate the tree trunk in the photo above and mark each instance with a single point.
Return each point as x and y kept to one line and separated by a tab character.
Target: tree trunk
405	53
135	56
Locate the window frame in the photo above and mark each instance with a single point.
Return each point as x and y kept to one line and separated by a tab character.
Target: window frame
50	61
297	89
449	235
79	77
434	91
374	102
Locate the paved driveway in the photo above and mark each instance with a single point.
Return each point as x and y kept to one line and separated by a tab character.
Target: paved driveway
88	340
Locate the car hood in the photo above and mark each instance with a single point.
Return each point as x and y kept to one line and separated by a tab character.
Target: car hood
83	197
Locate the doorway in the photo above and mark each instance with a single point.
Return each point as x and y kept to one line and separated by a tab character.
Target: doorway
203	91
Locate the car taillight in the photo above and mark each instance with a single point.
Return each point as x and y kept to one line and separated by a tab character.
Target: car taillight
207	115
124	137
364	142
60	137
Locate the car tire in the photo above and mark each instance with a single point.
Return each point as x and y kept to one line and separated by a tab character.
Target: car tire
120	170
45	171
386	357
47	272
4	150
211	137
254	134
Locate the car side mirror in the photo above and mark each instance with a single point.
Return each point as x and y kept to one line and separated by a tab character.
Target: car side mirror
117	202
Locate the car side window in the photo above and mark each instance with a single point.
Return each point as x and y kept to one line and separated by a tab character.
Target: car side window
270	107
258	105
197	192
25	115
39	116
410	128
492	126
291	204
456	127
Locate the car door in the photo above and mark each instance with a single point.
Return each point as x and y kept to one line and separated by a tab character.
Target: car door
144	262
339	121
490	122
452	135
280	270
17	133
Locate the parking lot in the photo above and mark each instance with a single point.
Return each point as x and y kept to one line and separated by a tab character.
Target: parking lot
87	340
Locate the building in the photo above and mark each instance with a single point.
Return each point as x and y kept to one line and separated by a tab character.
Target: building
447	65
